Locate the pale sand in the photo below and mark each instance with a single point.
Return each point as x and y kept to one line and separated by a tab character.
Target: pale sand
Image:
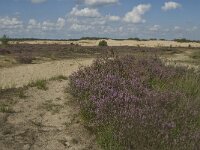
45	120
152	43
23	75
182	60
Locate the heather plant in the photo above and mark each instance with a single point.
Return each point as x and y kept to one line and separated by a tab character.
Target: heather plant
139	103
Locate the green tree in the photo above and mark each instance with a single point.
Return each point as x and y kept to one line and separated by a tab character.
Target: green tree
103	43
4	40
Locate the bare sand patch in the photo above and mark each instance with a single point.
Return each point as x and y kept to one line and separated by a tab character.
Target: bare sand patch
23	75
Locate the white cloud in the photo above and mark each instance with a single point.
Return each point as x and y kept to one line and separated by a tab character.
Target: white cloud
177	28
33	24
99	2
10	23
155	28
135	16
46	25
85	12
79	28
112	18
170	6
60	23
194	28
38	1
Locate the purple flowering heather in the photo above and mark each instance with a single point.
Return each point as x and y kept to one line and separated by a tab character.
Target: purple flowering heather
133	100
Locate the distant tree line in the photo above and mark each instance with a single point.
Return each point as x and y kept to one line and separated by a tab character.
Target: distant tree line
183	40
94	38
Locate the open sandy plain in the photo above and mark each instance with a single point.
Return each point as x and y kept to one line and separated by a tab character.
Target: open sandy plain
151	43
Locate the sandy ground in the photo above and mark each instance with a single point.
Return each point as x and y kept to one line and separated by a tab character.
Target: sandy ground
45	120
151	43
181	59
23	75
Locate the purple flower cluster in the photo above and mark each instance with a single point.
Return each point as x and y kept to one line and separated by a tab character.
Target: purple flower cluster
131	98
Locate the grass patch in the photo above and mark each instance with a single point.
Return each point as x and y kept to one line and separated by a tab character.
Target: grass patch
196	55
13	92
5	108
9	97
40	84
60	78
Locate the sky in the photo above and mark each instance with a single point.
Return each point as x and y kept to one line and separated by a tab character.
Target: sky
69	19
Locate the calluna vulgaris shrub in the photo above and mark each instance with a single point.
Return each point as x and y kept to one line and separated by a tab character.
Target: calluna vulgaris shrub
139	104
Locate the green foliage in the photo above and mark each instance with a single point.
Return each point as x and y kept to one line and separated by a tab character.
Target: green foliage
135	39
184	40
4	40
5	108
103	43
93	38
60	78
40	84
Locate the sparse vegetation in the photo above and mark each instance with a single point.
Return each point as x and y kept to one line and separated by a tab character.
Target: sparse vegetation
139	103
40	84
5	108
22	94
196	55
60	78
50	106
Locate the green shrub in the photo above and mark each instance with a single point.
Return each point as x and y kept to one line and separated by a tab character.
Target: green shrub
40	84
103	43
4	40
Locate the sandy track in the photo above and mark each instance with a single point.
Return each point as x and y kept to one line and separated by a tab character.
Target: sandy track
23	75
45	120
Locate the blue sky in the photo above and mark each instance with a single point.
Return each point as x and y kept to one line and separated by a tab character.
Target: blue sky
100	18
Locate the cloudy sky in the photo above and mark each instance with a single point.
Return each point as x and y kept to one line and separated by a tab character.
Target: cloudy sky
100	18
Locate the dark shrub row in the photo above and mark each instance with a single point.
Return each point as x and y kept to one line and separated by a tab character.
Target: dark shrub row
24	59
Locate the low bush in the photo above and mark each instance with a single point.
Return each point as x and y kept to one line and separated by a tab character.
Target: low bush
103	43
139	104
